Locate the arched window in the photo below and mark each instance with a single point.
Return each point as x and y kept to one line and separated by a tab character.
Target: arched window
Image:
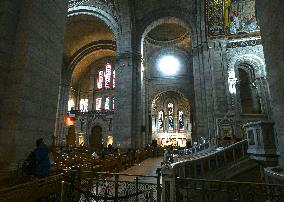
99	104
107	106
180	120
100	80
84	105
106	79
161	121
108	76
171	116
249	99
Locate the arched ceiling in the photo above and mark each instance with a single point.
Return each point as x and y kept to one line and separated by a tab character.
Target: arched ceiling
82	66
82	30
167	32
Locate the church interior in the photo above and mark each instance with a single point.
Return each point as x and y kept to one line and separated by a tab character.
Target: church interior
142	100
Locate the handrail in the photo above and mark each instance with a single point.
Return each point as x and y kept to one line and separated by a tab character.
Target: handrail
97	197
193	189
121	174
231	182
35	181
210	161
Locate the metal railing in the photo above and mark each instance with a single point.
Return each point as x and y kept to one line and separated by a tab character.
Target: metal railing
115	187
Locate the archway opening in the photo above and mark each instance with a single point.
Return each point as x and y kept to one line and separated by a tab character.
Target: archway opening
89	53
71	136
96	139
249	97
171	119
167	66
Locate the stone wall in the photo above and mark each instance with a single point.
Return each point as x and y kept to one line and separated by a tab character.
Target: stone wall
33	65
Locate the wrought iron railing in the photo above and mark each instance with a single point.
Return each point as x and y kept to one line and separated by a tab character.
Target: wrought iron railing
199	190
113	187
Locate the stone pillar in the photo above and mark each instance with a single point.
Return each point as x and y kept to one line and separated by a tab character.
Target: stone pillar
61	129
127	116
203	88
271	20
168	183
261	142
33	37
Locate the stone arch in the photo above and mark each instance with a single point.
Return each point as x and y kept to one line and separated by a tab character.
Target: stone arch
106	16
160	91
252	60
95	139
158	17
84	52
166	90
254	66
71	136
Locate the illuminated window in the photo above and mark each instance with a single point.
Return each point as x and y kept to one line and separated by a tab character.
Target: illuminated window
113	79
113	103
169	65
161	121
171	117
84	105
100	80
107	104
98	103
108	76
71	104
180	119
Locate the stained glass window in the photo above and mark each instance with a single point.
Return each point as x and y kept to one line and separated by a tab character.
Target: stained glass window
71	104
98	103
113	79
180	119
108	76
171	117
84	105
100	80
161	121
107	104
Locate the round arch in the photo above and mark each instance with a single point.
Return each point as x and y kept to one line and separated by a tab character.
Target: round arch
156	18
103	15
252	60
96	138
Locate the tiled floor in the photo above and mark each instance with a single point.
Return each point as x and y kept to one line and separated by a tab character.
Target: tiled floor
147	167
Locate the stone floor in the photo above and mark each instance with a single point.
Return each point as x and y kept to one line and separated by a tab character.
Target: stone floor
146	168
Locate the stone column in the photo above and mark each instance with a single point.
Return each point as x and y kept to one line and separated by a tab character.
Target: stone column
61	129
33	34
271	20
168	183
203	88
127	114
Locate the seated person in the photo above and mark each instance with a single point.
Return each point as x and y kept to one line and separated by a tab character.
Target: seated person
42	162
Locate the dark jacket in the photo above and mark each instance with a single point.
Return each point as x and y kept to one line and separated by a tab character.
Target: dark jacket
42	167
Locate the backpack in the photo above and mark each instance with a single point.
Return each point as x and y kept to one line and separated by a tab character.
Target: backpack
29	164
